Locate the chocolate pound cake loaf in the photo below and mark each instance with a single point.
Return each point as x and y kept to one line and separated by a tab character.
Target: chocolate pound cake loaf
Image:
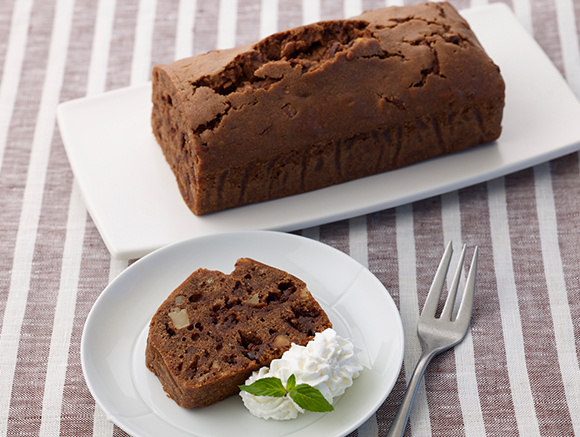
215	329
323	104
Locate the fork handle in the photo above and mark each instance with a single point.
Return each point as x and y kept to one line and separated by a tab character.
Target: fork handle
400	422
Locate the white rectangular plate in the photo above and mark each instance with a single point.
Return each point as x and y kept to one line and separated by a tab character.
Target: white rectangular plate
134	201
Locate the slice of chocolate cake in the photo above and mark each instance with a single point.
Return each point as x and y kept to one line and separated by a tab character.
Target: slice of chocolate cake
215	329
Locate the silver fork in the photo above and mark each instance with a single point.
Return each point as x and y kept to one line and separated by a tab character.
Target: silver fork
439	334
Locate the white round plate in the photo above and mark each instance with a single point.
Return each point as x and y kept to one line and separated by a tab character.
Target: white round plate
113	342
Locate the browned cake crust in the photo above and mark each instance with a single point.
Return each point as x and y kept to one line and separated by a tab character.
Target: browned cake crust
323	104
230	326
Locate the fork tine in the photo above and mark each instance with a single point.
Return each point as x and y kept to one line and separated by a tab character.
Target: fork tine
466	306
432	302
452	290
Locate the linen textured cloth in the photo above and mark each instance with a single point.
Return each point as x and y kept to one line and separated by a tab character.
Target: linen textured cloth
517	372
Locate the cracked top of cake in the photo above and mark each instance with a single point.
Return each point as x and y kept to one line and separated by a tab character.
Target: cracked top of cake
423	59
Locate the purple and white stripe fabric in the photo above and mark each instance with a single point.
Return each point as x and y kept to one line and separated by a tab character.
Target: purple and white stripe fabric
516	374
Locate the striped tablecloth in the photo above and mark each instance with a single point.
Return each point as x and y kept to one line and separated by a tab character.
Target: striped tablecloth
516	373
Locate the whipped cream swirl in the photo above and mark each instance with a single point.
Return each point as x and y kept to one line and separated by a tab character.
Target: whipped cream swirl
328	363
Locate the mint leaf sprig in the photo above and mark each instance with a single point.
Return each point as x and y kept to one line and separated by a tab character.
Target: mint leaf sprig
306	397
